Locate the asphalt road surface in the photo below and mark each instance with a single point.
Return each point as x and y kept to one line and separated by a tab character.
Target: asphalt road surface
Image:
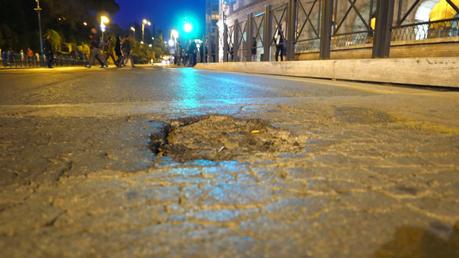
335	169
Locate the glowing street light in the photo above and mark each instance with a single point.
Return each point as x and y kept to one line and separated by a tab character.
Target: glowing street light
38	10
174	34
133	30
173	40
146	22
104	20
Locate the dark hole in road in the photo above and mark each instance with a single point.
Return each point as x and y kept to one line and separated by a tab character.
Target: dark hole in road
219	138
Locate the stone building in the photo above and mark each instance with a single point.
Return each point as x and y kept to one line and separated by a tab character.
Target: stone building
353	24
211	40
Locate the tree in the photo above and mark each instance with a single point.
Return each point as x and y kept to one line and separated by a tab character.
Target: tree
19	25
55	38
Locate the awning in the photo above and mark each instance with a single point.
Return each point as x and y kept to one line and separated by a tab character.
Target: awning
443	10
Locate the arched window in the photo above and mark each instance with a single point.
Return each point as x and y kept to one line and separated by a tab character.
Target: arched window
424	9
423	15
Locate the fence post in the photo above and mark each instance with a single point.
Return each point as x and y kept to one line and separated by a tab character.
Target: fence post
215	52
249	41
267	34
326	29
225	42
291	29
236	44
384	19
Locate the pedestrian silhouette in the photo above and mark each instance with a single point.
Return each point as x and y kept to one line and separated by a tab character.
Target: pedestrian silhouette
280	44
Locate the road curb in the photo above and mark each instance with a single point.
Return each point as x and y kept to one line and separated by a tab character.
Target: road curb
441	72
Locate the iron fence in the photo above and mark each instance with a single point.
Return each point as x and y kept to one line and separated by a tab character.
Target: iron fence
352	23
426	30
16	60
304	24
279	25
307	25
257	35
357	38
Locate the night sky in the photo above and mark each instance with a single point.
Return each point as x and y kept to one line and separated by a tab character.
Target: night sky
165	14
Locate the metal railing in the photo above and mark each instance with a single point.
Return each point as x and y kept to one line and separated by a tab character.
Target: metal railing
352	39
16	60
307	25
426	30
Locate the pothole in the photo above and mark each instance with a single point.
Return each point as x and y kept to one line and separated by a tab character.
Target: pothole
219	138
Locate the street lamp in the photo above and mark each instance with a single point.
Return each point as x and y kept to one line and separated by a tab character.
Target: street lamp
133	31
144	22
104	20
38	10
171	43
174	34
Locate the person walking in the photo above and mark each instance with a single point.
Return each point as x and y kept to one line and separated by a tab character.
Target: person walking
95	50
110	49
254	49
201	53
280	45
126	47
192	49
49	51
231	53
118	52
4	57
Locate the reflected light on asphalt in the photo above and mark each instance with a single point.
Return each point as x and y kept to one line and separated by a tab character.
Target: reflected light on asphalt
189	86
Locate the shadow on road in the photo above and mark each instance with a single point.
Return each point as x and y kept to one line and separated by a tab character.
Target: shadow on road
414	242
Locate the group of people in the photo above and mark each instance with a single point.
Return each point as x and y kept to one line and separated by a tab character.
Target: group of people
8	57
100	50
118	48
187	55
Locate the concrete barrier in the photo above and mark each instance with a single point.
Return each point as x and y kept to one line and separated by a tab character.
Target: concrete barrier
442	72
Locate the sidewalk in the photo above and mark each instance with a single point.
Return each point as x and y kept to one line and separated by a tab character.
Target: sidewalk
69	68
441	72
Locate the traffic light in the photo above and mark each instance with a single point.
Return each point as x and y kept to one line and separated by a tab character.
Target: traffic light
187	27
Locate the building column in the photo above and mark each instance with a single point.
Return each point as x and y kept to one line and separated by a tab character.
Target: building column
249	41
383	32
236	36
291	29
267	34
225	42
326	28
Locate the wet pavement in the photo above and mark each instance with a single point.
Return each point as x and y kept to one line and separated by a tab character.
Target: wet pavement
366	170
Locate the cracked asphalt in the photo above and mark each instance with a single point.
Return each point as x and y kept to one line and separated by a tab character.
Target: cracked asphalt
377	174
